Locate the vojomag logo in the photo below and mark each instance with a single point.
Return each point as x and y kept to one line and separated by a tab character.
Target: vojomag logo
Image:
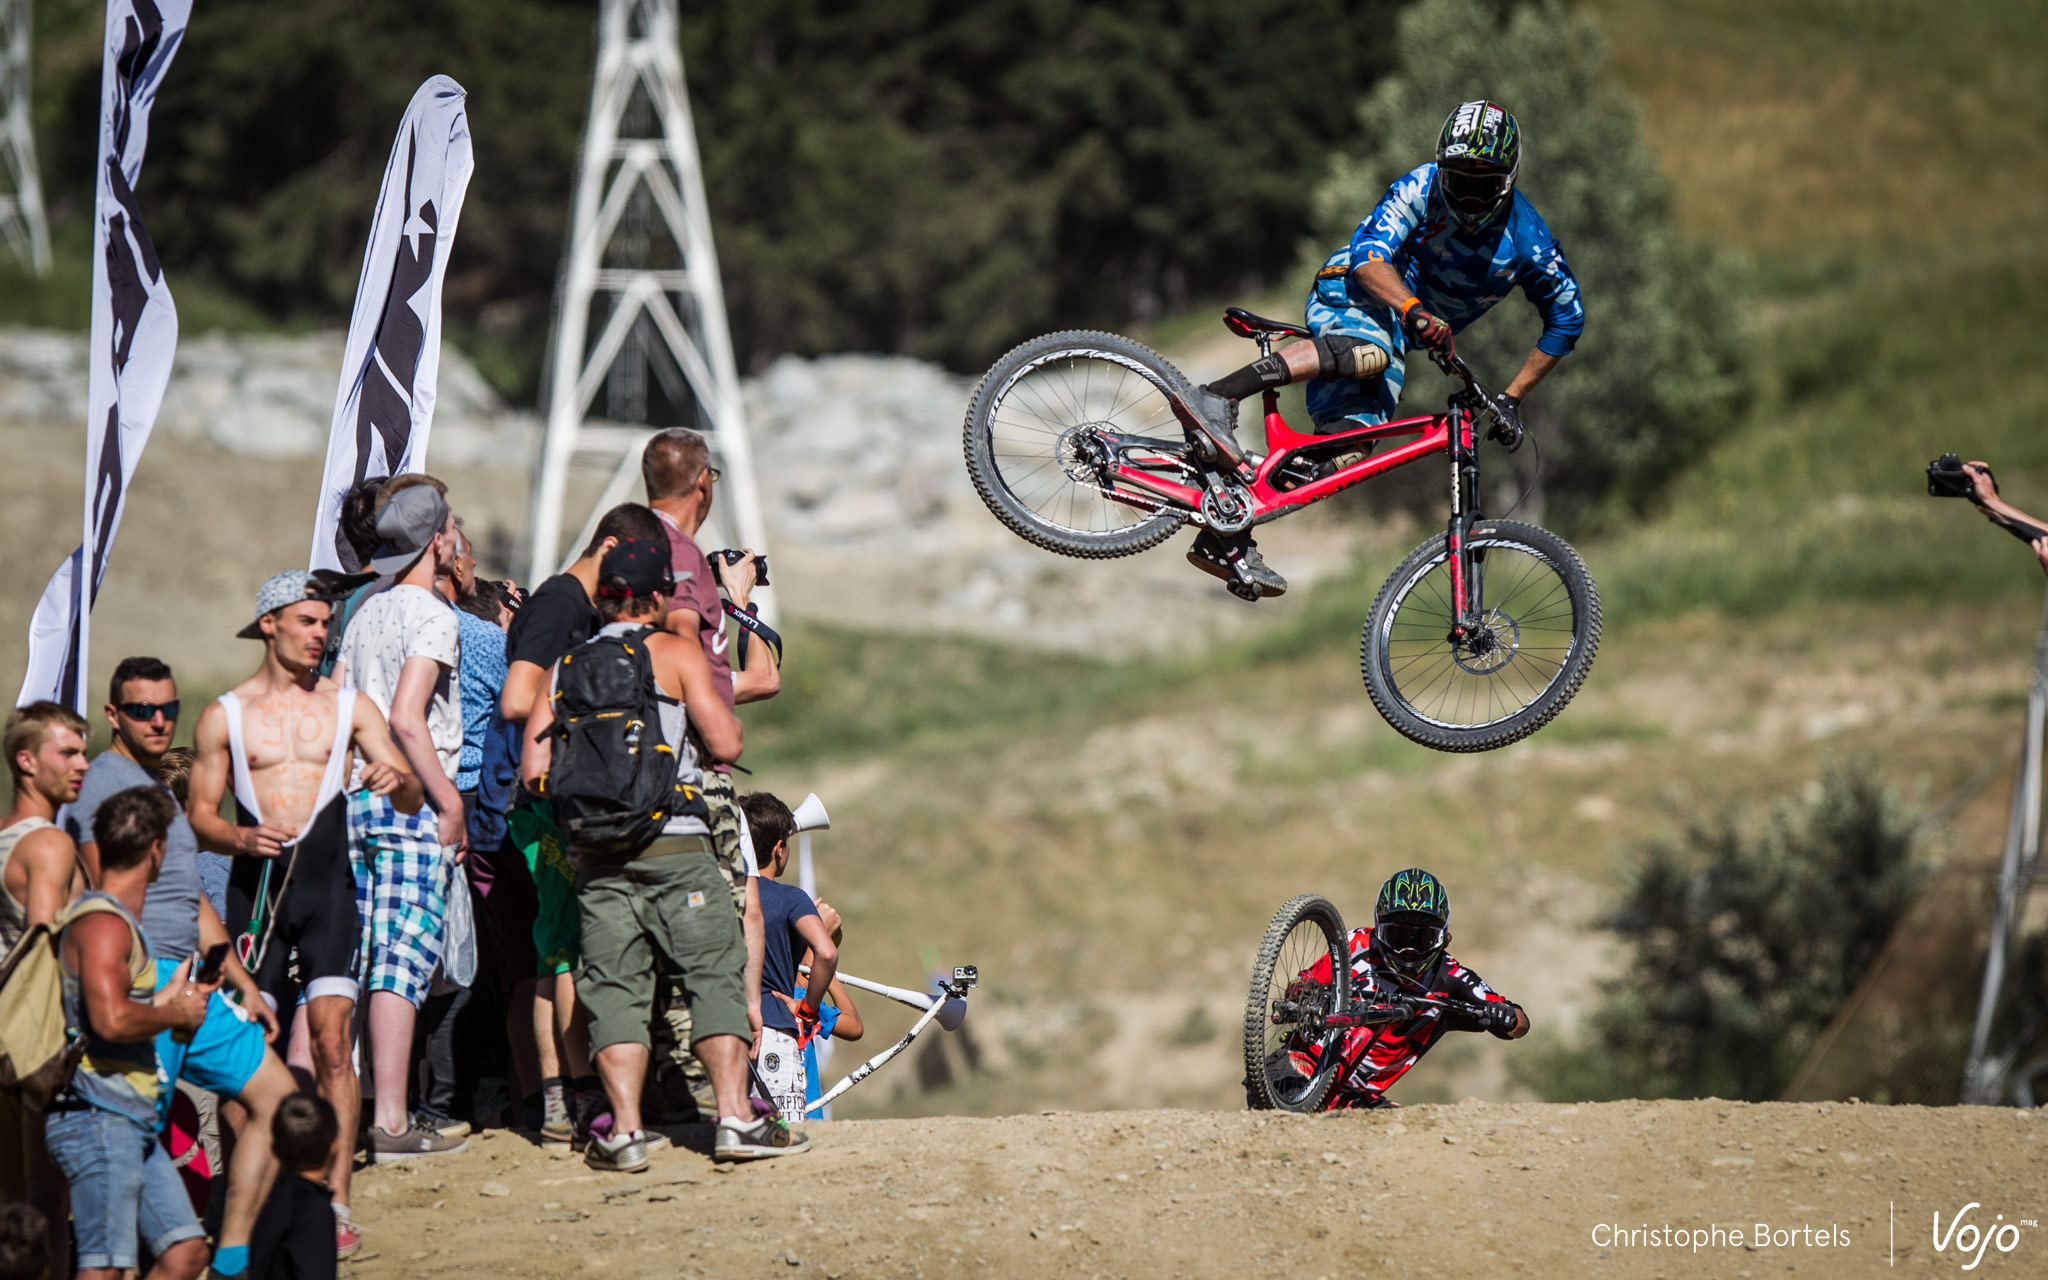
1971	1241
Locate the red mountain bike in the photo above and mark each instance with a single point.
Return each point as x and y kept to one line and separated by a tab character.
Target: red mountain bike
1079	442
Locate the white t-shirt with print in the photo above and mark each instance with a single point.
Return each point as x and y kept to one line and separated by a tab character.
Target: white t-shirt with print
409	622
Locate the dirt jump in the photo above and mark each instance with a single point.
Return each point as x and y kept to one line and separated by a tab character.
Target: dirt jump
1672	1189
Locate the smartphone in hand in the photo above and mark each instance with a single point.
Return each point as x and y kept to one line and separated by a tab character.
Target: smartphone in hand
208	969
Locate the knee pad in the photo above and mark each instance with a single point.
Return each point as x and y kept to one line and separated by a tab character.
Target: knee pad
1342	356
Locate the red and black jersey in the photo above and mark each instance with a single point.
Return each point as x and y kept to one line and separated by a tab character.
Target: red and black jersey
1382	1054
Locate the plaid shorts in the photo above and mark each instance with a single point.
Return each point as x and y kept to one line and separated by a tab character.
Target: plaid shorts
401	872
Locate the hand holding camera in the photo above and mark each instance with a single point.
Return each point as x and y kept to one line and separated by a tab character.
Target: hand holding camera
1950	477
739	572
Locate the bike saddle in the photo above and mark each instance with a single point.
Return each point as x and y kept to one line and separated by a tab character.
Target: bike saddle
1246	325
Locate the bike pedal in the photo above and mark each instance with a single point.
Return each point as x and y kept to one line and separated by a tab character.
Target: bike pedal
1250	591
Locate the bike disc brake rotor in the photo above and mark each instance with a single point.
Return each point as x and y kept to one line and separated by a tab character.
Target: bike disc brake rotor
1491	647
1470	680
1043	437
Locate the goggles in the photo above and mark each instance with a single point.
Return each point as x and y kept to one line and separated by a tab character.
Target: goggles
1475	190
1411	942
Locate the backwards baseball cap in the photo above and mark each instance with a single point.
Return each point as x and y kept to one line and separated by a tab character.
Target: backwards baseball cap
642	565
406	525
277	591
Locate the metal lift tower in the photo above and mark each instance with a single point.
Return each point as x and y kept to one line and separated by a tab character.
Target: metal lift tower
642	272
21	191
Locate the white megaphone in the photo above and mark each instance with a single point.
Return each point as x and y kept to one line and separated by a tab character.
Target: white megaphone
811	816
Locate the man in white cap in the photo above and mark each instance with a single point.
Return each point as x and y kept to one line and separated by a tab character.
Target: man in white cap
284	738
402	649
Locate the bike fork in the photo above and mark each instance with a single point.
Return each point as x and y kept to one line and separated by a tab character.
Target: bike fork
1466	570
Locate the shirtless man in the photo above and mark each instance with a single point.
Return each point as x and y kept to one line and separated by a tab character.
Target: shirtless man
39	876
285	735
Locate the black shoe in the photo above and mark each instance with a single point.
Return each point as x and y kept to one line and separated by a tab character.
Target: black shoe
1215	426
1238	563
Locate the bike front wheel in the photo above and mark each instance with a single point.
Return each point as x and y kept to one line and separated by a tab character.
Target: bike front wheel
1034	449
1539	628
1301	976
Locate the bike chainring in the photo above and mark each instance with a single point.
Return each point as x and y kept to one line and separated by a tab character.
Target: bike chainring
1491	647
1228	509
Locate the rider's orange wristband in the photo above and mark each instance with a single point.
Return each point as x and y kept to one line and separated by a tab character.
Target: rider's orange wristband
1409	305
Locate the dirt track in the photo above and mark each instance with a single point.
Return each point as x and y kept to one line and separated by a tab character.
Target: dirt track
1441	1191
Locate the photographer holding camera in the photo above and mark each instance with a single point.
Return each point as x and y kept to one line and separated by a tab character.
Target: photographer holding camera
1950	477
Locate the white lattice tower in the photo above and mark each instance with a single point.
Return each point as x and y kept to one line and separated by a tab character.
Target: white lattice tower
641	270
21	190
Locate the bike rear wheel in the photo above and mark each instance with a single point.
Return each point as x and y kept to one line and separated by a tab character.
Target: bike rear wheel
1290	1059
1029	447
1541	612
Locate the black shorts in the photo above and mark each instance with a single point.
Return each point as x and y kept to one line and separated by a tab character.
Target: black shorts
309	913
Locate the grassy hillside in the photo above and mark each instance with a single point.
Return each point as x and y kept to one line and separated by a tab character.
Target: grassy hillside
1106	838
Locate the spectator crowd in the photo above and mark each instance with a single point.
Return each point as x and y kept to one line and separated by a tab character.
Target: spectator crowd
454	855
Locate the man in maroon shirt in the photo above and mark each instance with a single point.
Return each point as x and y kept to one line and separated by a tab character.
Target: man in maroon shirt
676	468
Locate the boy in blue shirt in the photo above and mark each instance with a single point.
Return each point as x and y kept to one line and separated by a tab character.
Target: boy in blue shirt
791	926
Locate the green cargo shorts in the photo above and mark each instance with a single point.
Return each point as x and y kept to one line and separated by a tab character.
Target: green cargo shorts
663	912
672	1029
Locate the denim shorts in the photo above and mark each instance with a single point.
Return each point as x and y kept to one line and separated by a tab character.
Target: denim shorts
124	1189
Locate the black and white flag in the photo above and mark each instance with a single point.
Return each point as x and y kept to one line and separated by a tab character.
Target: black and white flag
134	334
384	408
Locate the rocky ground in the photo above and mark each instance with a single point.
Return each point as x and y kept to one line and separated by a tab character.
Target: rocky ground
1471	1190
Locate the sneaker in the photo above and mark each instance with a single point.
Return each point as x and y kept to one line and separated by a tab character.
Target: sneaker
585	1107
1211	421
348	1238
418	1140
626	1153
446	1126
1238	563
765	1137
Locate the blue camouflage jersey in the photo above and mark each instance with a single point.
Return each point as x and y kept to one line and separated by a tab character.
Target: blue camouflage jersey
1458	277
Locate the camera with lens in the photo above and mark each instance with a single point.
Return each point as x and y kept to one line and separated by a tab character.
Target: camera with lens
1947	479
732	555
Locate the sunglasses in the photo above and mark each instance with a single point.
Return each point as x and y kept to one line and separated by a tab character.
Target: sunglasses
144	711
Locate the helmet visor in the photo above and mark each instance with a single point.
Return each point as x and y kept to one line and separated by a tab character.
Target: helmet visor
1410	944
1476	190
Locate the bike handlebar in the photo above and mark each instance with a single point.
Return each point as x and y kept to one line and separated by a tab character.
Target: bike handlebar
1505	429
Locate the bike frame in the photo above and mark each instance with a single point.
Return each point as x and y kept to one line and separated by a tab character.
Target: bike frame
1133	465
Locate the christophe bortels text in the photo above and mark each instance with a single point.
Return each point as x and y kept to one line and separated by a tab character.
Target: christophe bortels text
1762	1235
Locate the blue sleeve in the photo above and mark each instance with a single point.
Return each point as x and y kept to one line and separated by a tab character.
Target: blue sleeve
1547	280
1394	218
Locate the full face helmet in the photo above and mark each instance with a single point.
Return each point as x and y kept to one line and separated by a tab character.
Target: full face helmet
1411	921
1477	157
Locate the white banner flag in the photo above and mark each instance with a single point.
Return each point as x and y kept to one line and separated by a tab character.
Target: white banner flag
384	408
134	334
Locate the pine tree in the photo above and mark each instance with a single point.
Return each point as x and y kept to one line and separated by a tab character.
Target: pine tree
1656	378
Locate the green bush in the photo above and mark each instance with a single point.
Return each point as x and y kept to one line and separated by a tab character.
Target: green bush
1655	378
1742	949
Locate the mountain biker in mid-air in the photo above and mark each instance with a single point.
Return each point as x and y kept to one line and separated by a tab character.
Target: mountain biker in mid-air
1445	243
1403	954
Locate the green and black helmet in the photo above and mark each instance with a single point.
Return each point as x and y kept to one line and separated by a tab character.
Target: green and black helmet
1477	157
1411	921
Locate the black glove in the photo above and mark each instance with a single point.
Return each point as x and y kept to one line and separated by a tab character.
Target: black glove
1500	1017
1507	427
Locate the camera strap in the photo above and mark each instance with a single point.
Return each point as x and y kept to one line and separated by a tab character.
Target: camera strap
750	624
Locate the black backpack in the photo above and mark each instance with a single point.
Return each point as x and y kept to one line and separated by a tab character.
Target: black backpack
612	779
